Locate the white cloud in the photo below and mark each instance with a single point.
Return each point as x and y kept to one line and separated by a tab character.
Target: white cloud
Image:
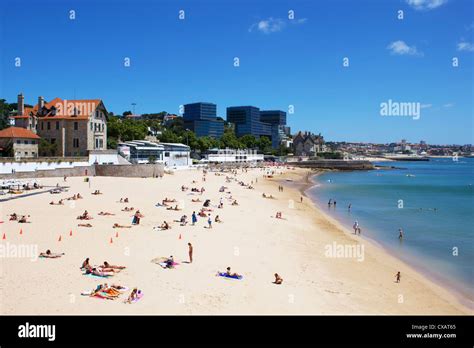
401	48
465	46
449	105
425	5
426	106
273	25
268	26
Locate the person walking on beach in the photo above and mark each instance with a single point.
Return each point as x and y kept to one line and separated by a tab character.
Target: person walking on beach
194	218
209	221
301	199
398	276
356	227
190	246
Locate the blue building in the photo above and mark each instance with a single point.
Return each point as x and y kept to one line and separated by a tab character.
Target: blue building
201	118
247	121
250	120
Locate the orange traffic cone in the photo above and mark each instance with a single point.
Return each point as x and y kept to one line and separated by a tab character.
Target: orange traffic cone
70	233
179	236
4	236
116	235
111	240
59	239
21	231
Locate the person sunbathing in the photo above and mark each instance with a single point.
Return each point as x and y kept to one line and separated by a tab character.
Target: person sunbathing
84	216
170	262
278	279
235	202
228	272
105	213
97	272
23	219
85	264
196	200
107	265
116	225
217	219
84	225
163	226
175	208
183	221
96	192
79	196
278	215
13	217
133	296
110	290
128	209
166	200
48	254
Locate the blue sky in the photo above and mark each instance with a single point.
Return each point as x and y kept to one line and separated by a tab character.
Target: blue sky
282	62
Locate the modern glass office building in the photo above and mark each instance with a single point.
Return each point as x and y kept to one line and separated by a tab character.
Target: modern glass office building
247	121
201	118
274	117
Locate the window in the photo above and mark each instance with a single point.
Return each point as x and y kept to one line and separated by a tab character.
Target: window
57	124
167	154
76	126
26	142
26	153
75	142
92	126
42	125
18	141
49	125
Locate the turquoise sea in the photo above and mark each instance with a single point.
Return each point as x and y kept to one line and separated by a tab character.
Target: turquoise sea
432	202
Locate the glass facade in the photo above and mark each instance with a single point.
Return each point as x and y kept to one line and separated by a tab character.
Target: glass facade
274	117
201	118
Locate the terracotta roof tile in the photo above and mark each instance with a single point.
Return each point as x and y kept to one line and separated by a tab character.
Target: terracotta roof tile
17	132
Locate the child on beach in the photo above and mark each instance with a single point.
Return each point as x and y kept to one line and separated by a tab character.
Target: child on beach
278	279
209	221
398	276
190	251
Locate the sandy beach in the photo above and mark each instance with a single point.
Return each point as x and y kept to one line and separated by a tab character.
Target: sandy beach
250	240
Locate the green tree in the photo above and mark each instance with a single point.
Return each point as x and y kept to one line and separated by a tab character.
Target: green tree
264	144
248	141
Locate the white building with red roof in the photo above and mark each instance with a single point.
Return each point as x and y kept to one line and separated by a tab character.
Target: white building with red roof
19	143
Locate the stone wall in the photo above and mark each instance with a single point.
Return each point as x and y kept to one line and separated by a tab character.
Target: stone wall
44	173
136	170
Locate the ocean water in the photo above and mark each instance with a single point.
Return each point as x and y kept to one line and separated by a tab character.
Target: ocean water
432	202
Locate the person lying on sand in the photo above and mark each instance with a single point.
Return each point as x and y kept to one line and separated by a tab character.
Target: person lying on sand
165	226
128	209
278	279
105	213
48	254
107	265
166	200
98	272
84	225
60	202
23	219
183	221
96	192
175	208
116	225
196	200
13	217
235	202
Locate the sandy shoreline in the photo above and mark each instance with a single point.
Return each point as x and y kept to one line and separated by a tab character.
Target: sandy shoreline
250	240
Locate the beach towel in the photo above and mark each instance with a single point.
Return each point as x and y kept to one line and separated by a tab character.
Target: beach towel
225	275
138	298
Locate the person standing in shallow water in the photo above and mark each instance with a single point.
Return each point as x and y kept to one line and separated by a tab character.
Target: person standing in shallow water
400	234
